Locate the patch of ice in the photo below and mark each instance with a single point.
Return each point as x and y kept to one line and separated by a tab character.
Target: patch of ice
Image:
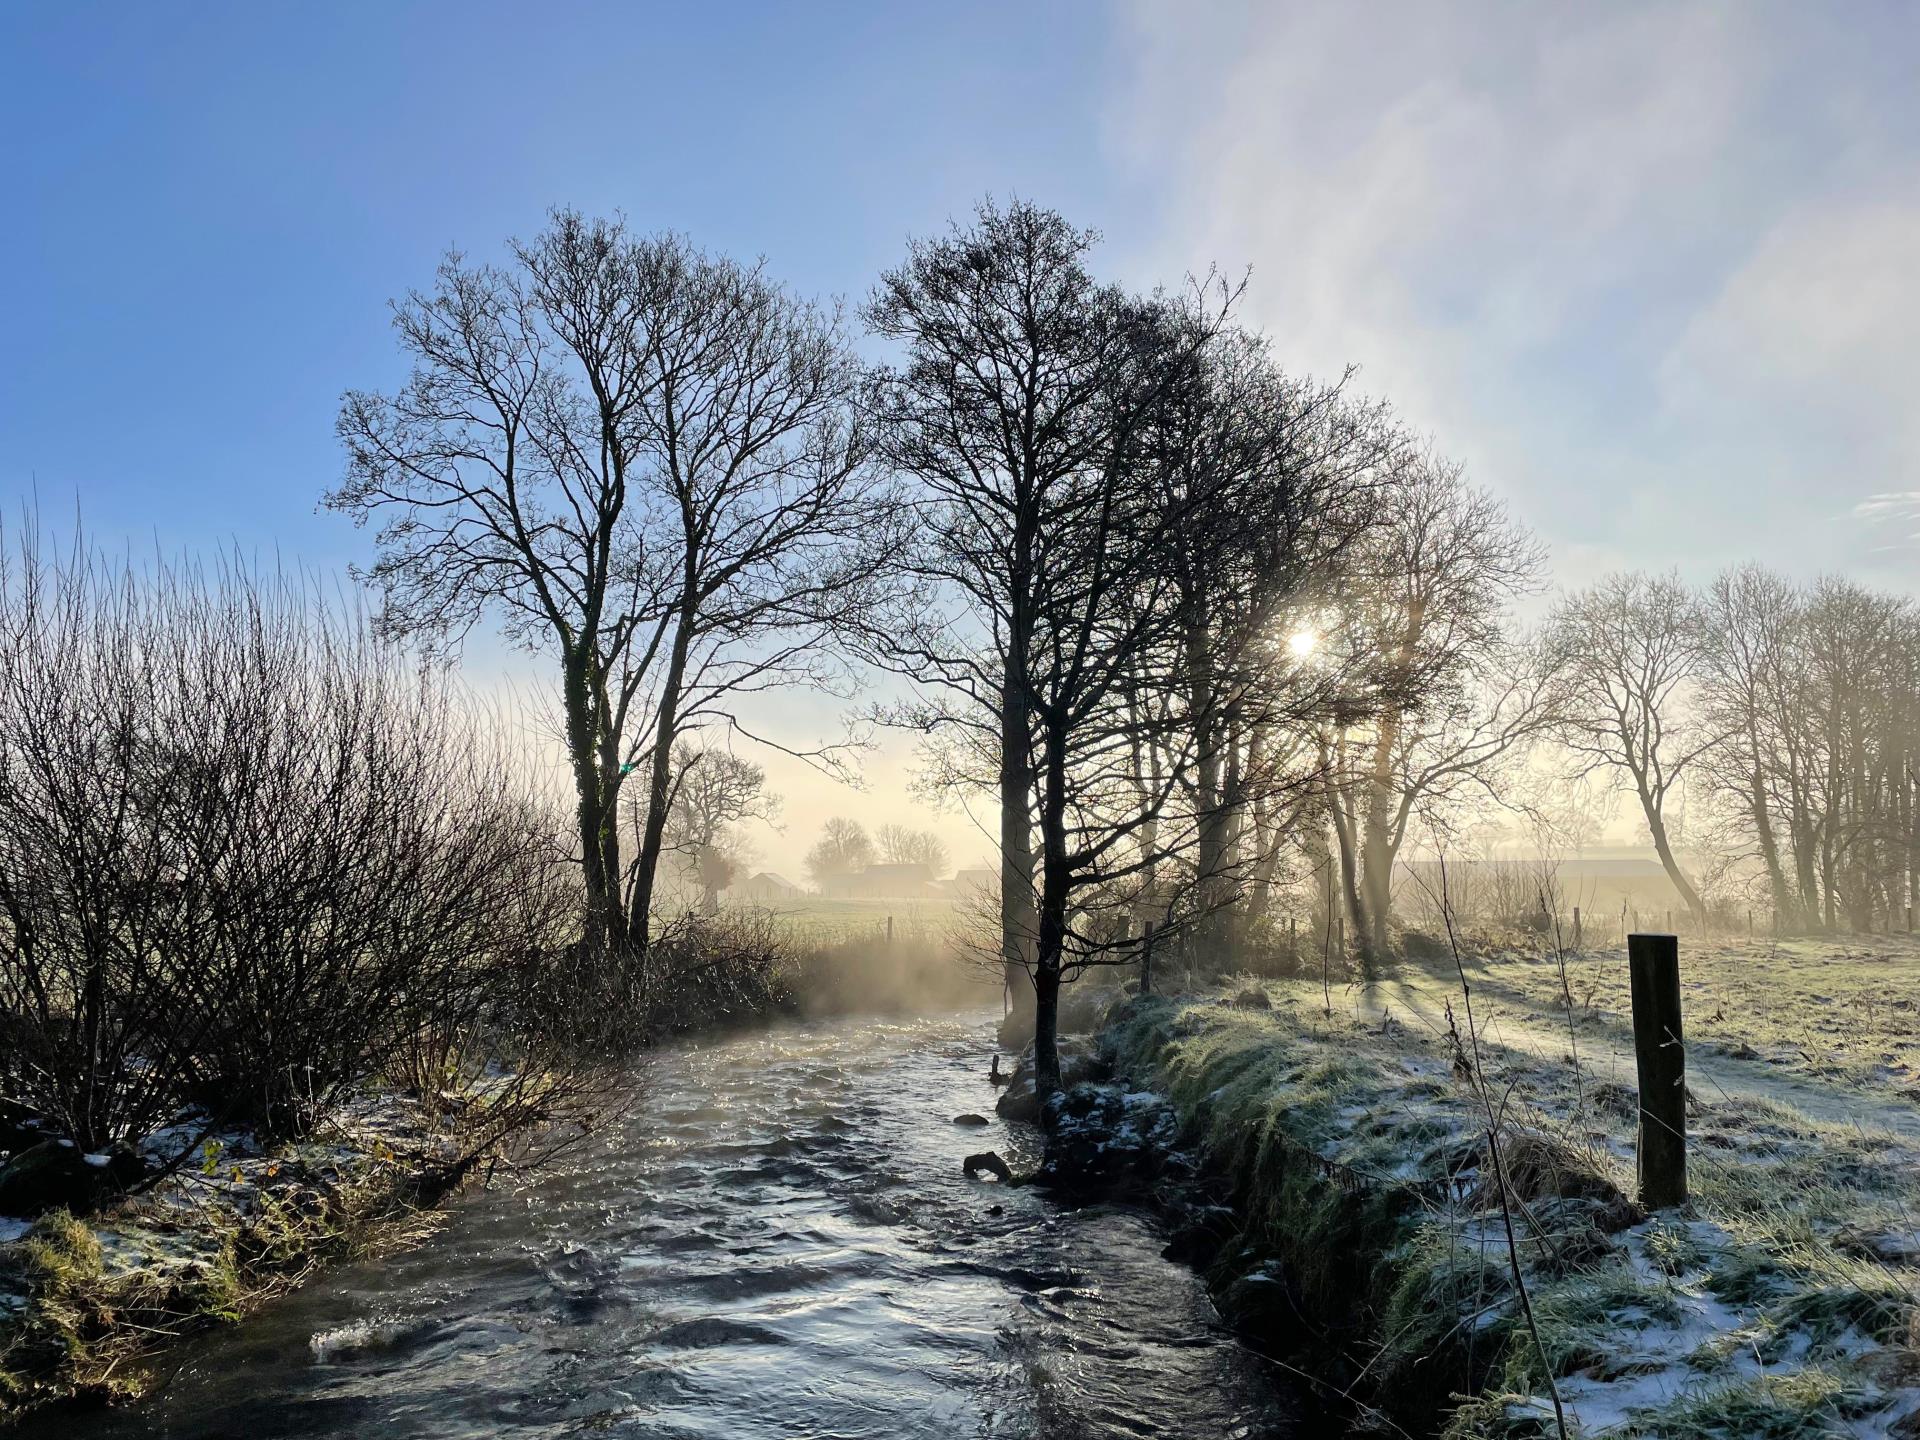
99	1162
12	1230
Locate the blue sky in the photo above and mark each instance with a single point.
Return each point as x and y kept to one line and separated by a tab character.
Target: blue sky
1650	271
212	204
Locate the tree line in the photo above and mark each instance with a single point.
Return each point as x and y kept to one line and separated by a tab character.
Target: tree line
1214	634
1210	631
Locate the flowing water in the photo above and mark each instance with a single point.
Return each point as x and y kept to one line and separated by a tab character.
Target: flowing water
777	1243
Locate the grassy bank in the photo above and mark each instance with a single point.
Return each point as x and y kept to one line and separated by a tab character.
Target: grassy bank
84	1301
1781	1302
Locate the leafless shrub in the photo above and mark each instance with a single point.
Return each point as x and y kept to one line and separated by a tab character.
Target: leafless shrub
248	856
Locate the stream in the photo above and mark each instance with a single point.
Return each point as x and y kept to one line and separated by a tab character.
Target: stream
777	1242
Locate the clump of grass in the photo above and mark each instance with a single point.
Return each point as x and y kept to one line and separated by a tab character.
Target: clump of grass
1861	1298
1447	1321
57	1267
213	1289
1673	1249
1722	1352
1543	1166
1502	1416
1748	1276
1809	1404
1581	1323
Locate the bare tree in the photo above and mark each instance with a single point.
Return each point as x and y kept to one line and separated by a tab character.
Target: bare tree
902	845
1750	681
1441	691
1275	478
643	459
843	849
1014	405
714	793
1021	409
1632	649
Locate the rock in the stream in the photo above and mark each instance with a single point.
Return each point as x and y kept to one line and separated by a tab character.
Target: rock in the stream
1105	1141
1198	1230
988	1162
1021	1102
971	1119
1261	1301
55	1175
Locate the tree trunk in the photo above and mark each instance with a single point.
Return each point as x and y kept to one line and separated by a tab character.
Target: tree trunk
1376	850
660	786
1055	883
1211	820
1769	843
1019	921
1355	902
1658	826
603	921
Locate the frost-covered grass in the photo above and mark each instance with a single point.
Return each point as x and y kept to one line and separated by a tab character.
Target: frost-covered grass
82	1300
1780	1302
1843	1011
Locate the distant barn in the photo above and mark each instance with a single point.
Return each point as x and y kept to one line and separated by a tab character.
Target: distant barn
909	880
765	888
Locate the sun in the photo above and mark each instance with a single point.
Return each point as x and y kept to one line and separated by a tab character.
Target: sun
1302	643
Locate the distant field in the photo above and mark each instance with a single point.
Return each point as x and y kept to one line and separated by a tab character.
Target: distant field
816	917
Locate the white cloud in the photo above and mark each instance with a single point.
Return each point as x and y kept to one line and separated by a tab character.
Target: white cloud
1630	263
1816	337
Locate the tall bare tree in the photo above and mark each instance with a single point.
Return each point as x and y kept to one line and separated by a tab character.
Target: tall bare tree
903	845
1441	691
998	405
1750	678
1020	407
644	461
1632	648
1275	479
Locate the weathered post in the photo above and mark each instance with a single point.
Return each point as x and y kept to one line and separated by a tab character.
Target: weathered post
1653	965
1293	939
1146	960
1576	927
889	932
1909	919
1749	924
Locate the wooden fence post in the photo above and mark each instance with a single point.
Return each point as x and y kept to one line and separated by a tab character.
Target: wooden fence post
1576	927
889	932
1653	964
1146	961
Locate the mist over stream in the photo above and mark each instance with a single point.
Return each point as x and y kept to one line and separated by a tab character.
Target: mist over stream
777	1242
